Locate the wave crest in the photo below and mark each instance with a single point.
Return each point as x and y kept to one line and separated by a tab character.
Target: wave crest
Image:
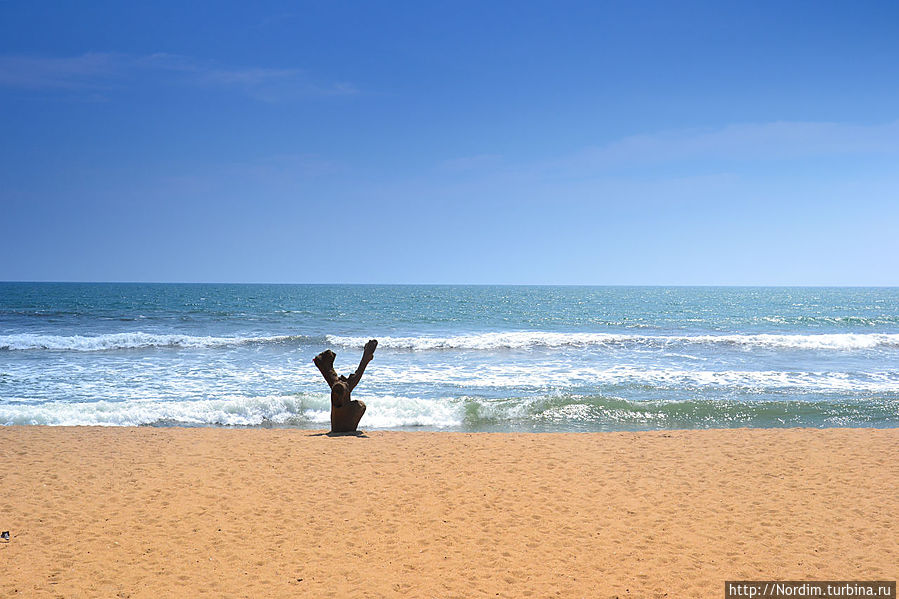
306	410
136	340
546	412
477	341
527	339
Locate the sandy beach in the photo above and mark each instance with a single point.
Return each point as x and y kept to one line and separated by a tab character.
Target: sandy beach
149	512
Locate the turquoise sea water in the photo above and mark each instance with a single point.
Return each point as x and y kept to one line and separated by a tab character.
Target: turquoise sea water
472	358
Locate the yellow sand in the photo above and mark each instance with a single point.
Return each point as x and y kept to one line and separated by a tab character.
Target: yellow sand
141	512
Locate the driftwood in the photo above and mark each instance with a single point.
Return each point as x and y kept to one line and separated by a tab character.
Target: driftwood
345	412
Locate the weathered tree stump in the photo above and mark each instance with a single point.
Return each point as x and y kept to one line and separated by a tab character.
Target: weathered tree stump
345	412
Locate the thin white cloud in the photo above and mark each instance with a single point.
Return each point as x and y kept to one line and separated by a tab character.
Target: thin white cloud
267	84
760	141
694	151
89	71
291	165
275	172
102	71
472	163
277	19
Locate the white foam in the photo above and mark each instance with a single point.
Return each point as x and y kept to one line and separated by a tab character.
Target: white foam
761	381
136	340
530	339
481	341
390	411
834	341
235	411
303	410
563	376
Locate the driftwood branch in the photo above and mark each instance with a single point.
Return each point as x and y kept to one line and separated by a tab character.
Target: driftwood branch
345	412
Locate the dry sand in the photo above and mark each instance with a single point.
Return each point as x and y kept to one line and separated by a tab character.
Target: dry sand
142	512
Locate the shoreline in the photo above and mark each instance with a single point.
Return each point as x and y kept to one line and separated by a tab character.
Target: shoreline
277	512
503	429
494	429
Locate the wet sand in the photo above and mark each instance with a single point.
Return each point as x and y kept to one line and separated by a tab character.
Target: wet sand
145	512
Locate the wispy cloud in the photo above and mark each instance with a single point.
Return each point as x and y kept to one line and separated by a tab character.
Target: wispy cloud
275	173
278	19
97	71
692	158
473	163
88	71
759	141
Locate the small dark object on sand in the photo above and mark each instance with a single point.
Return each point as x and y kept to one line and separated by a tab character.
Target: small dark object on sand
4	535
345	413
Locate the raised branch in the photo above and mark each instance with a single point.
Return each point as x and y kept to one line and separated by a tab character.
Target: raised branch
345	412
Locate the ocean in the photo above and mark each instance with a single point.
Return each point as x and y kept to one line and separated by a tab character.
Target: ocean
461	358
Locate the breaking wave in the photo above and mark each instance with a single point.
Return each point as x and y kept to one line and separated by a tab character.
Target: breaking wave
561	376
547	412
305	410
137	340
526	339
478	341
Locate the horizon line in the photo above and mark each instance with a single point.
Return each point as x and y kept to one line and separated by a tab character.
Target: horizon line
319	283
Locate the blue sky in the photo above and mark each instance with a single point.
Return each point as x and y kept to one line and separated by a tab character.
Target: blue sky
459	142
